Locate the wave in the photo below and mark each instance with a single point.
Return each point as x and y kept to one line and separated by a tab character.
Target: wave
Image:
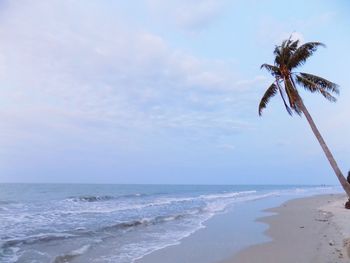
101	198
48	237
91	198
227	195
142	222
98	198
3	202
209	197
71	255
34	239
158	202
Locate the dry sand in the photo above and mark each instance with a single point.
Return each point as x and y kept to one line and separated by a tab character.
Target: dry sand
307	230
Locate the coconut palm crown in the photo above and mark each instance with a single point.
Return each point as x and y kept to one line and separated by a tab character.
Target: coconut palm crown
289	56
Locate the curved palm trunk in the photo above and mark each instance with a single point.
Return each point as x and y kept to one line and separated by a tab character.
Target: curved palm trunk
341	178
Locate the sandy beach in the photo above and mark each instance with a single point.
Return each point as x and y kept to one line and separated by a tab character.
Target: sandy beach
314	229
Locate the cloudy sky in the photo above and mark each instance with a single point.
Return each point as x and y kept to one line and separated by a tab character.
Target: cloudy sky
165	91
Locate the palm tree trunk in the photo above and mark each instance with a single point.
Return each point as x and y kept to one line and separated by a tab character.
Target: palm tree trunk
344	183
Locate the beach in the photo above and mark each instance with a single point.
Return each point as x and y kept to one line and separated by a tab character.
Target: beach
313	229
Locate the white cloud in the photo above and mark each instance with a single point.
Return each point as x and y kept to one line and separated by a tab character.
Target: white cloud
278	34
248	83
227	147
275	31
71	67
190	15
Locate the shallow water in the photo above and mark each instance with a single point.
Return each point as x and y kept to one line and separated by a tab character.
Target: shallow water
113	223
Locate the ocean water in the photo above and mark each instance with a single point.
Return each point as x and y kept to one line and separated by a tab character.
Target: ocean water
58	223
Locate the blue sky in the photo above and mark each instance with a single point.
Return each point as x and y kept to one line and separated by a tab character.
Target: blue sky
155	91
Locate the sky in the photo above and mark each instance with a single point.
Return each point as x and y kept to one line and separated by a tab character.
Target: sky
165	92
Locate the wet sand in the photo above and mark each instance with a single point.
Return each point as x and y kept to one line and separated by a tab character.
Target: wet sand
307	230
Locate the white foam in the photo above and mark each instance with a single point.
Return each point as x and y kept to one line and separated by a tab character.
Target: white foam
227	195
11	256
72	254
80	251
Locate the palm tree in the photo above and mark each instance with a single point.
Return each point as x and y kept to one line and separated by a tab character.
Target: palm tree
289	56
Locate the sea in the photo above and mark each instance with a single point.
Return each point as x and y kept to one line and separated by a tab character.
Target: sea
85	223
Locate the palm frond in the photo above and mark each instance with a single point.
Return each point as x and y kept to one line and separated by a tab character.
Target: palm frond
288	48
303	53
294	45
307	84
313	87
292	94
321	82
270	92
284	100
272	69
328	96
278	55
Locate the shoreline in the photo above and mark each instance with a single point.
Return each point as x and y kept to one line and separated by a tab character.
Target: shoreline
246	226
309	229
220	237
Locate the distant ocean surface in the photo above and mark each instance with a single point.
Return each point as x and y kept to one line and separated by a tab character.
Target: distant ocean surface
57	223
